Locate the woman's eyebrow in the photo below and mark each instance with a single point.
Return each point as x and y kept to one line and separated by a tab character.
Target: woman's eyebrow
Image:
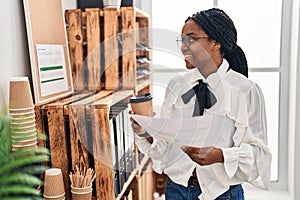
190	33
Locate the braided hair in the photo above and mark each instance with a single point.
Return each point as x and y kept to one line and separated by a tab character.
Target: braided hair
218	26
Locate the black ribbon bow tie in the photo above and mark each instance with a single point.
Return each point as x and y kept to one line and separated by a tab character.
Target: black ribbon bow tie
204	98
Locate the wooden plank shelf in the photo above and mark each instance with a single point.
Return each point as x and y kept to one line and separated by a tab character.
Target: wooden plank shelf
98	38
77	127
142	84
137	171
56	121
113	98
139	12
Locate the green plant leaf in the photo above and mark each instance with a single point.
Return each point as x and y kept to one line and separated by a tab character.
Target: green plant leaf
5	133
18	189
20	198
21	185
15	198
12	156
24	152
25	179
4	123
11	166
33	169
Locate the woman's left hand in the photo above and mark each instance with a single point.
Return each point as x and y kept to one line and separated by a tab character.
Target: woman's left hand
205	155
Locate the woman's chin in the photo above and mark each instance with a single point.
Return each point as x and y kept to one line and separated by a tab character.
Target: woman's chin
189	65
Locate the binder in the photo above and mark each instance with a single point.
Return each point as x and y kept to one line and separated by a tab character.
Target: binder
116	111
130	140
114	154
128	168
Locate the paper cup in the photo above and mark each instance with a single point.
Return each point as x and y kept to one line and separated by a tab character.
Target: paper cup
53	183
21	112
24	148
24	131
22	116
23	136
20	132
20	93
25	144
22	128
142	104
24	141
18	110
84	193
60	197
24	122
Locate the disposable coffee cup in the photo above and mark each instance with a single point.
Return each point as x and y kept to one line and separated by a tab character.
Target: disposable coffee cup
84	193
20	97
31	143
22	141
21	112
25	148
24	128
23	122
23	136
22	116
53	184
142	104
59	197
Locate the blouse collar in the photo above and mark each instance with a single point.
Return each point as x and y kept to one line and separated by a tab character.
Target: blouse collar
213	78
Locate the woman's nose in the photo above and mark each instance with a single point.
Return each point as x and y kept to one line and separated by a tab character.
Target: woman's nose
184	48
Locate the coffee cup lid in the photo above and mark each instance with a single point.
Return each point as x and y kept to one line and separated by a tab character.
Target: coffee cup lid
141	98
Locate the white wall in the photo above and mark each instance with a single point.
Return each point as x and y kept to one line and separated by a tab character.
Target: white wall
294	106
14	54
69	4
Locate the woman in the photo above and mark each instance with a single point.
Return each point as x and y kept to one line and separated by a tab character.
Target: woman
208	43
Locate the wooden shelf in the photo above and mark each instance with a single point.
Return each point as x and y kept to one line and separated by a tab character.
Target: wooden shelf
143	163
140	13
86	31
92	98
142	84
127	183
114	98
133	175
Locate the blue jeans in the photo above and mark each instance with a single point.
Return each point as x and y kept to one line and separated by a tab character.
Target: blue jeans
174	191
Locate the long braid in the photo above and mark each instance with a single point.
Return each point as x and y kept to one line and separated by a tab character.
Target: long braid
218	26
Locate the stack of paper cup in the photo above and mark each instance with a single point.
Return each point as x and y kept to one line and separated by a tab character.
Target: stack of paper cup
84	193
54	185
21	110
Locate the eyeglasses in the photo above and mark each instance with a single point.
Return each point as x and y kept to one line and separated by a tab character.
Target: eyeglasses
187	40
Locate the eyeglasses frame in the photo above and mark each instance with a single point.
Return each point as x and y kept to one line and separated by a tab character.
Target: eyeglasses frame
189	39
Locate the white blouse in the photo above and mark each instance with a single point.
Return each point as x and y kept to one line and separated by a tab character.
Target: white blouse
246	155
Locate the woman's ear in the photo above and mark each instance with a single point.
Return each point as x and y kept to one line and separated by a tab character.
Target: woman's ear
216	46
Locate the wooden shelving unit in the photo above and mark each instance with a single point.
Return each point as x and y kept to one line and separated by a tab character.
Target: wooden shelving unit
104	45
103	52
143	84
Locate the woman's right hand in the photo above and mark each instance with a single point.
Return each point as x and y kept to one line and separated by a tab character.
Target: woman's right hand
138	129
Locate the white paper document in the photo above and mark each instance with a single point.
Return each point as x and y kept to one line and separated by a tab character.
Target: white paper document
52	68
202	131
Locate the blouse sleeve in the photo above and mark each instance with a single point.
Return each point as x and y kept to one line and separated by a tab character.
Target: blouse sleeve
157	150
250	158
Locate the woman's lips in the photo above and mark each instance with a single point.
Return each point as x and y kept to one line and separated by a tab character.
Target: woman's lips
188	56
